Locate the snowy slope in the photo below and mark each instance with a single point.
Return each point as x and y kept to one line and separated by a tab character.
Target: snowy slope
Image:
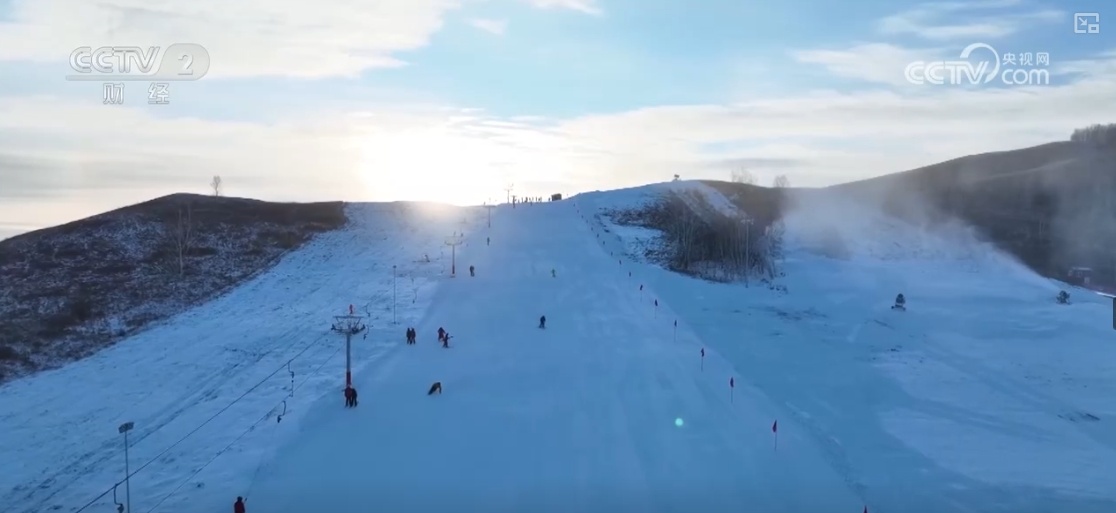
199	382
602	411
984	396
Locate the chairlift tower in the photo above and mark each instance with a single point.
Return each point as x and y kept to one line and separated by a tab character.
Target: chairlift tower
454	241
348	325
489	208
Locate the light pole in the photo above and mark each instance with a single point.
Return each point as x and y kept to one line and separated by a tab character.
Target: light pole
124	429
393	275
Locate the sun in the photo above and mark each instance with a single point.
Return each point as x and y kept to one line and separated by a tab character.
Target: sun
428	165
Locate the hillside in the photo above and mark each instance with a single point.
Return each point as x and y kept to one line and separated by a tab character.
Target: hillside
1052	206
71	290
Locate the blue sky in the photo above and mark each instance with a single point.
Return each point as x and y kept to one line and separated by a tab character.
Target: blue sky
562	95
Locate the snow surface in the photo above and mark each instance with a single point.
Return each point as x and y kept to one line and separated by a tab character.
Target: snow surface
984	396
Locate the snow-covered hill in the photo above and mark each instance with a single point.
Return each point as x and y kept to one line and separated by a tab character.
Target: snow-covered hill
984	396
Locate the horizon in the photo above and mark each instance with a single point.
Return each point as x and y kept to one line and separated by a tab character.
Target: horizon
450	101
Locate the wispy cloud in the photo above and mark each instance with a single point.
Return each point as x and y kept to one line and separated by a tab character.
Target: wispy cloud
876	62
497	27
585	6
944	21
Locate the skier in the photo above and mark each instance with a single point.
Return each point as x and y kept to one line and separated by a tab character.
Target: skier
354	396
441	334
487	241
553	273
349	393
542	322
900	303
472	272
238	506
1063	297
436	387
445	340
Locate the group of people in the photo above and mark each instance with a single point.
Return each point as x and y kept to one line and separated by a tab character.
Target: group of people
350	396
443	337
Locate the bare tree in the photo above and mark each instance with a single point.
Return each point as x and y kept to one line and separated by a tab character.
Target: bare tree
782	182
743	176
182	236
216	185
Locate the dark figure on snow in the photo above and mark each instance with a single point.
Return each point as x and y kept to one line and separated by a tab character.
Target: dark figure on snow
900	303
436	387
542	322
350	397
487	241
238	506
410	336
441	334
1063	297
472	272
445	340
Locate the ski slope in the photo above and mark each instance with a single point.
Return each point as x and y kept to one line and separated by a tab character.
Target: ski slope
601	411
984	396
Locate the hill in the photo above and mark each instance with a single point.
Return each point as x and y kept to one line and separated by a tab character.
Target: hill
71	290
1052	206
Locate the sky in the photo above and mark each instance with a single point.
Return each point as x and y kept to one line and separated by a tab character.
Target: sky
458	100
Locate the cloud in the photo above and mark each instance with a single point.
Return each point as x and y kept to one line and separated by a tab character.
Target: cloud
247	38
585	6
875	62
497	27
950	21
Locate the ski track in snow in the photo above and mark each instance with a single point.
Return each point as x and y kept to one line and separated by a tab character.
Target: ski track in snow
984	396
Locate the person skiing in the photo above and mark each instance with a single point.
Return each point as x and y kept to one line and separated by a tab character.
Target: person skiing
441	334
445	340
553	273
900	303
436	387
349	393
472	272
487	241
238	506
542	322
1063	297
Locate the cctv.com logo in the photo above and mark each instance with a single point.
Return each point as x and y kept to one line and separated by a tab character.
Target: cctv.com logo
971	69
